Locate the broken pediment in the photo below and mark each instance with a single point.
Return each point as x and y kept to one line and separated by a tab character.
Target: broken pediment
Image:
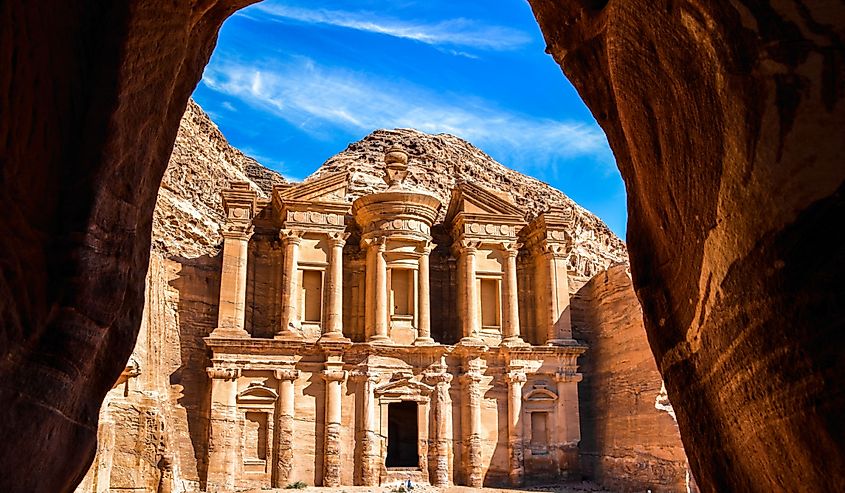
470	198
329	188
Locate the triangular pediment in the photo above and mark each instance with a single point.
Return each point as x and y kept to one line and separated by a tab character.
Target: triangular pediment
329	188
470	198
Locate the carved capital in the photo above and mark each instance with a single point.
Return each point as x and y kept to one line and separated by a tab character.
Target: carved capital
471	377
511	249
515	377
290	236
236	230
337	240
334	375
467	247
426	248
223	373
554	249
364	376
290	374
438	378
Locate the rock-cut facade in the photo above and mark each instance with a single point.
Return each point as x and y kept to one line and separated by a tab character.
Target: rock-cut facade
366	341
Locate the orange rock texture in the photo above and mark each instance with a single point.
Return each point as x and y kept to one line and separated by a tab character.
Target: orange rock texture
629	438
726	121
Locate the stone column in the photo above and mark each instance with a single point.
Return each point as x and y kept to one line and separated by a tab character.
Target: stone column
442	426
370	449
472	326
516	379
380	322
424	297
290	271
333	326
568	429
559	326
231	315
334	377
471	381
369	288
511	299
284	426
224	442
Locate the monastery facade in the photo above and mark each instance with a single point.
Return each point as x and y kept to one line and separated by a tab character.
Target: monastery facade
366	342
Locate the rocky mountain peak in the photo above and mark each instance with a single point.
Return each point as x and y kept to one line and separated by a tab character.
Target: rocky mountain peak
439	162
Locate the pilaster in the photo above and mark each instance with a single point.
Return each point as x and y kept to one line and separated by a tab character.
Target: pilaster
568	427
223	429
471	382
516	446
285	413
441	381
334	376
370	441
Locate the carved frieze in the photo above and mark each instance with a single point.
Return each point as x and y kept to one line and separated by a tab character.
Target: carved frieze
314	218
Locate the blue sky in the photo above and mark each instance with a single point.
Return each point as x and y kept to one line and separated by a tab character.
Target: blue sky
291	83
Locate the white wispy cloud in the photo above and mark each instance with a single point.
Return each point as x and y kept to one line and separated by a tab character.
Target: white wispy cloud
451	32
320	101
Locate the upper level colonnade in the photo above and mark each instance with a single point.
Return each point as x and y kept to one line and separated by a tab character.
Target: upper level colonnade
392	267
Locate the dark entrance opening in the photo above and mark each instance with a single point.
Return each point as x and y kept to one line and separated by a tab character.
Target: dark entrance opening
402	435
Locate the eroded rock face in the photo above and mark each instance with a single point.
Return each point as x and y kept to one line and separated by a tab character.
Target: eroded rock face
439	162
726	121
153	435
92	94
629	438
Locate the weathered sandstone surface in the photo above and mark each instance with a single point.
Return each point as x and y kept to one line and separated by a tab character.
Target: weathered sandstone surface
726	120
629	438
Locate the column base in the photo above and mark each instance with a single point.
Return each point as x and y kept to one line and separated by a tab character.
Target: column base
229	332
471	341
514	341
380	339
334	336
424	341
288	336
562	342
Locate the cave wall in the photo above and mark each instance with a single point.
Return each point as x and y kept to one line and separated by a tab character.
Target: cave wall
726	121
629	438
91	95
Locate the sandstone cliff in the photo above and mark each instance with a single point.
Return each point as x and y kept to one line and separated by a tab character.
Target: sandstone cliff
629	438
154	426
438	162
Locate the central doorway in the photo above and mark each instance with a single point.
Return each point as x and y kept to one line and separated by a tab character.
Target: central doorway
402	433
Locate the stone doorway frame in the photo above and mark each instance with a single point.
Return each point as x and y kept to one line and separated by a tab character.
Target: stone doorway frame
403	388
